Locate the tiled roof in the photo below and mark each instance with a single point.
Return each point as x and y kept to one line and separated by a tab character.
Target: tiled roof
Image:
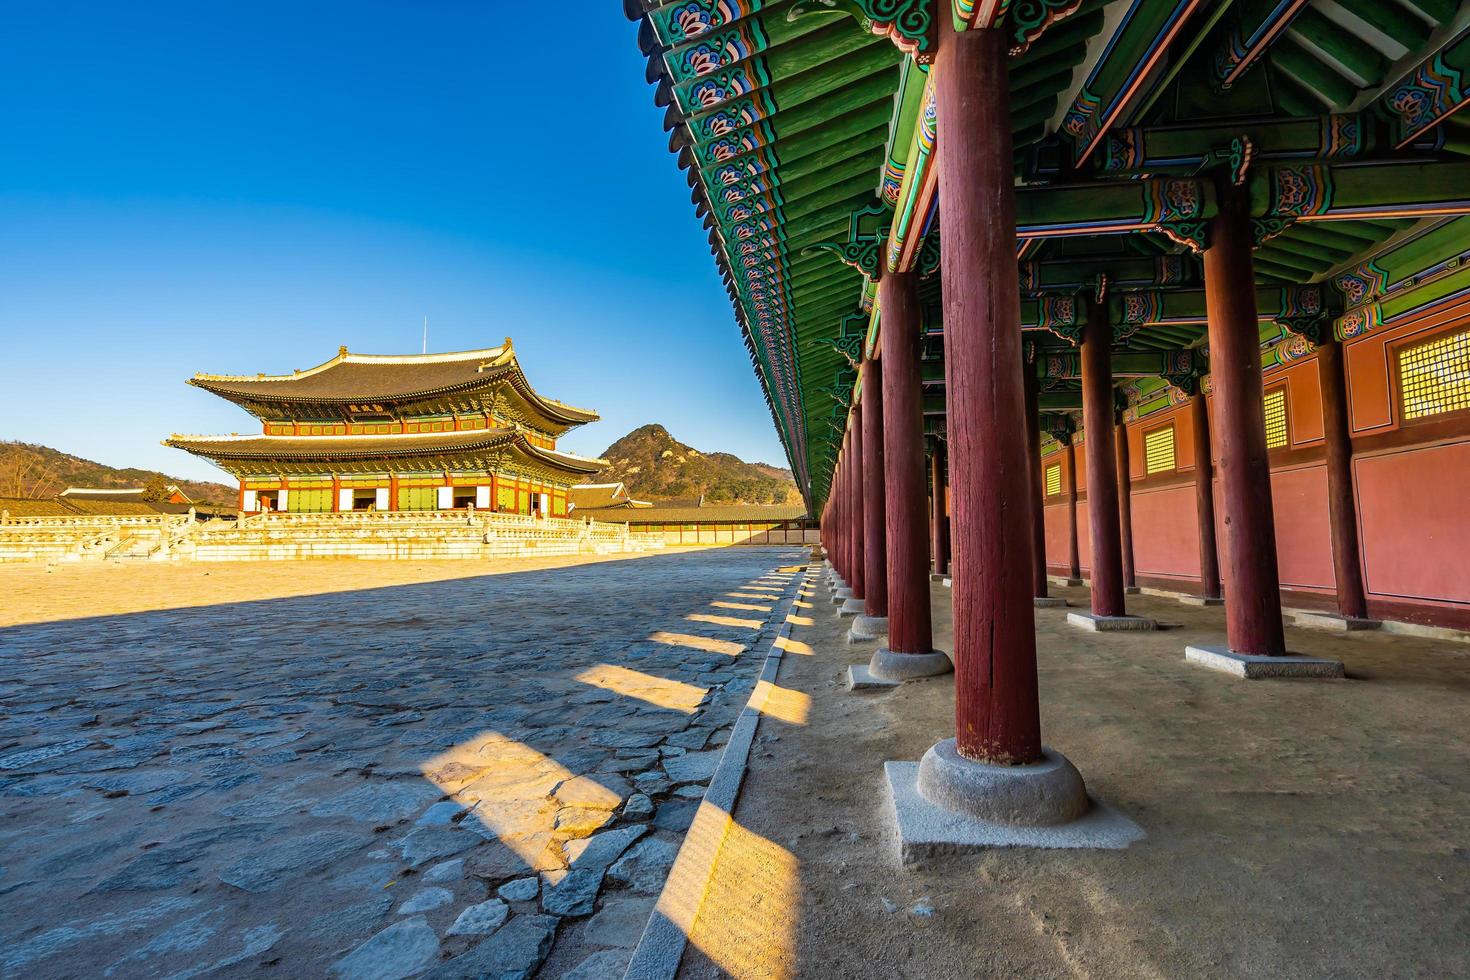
374	447
594	495
26	507
104	493
371	378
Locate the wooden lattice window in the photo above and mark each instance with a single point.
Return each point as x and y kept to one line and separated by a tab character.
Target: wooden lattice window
1277	435
1158	451
1054	479
1434	377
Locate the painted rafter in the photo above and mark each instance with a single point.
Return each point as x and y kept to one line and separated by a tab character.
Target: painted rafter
1191	148
1125	70
1435	89
1249	36
1122	272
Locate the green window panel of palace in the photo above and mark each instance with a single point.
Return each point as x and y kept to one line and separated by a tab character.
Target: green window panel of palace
418	498
310	501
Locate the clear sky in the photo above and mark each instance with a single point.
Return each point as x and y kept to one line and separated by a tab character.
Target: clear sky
235	188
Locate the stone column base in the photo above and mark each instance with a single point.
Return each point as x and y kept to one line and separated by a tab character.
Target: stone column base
938	576
852	606
1201	600
1110	624
1332	621
899	667
929	830
1131	590
867	628
1042	794
1064	581
1253	667
1048	602
860	678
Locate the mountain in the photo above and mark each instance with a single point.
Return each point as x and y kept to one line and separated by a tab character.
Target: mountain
653	465
28	470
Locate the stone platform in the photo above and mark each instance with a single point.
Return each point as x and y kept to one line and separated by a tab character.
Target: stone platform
368	769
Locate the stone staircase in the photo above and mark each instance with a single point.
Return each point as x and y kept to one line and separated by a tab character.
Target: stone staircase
79	538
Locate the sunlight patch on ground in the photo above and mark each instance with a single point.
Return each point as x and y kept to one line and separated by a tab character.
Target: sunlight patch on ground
802	605
789	645
796	620
781	703
508	786
759	596
706	643
660	691
745	606
744	917
751	624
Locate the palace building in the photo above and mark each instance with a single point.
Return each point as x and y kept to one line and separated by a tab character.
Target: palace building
417	432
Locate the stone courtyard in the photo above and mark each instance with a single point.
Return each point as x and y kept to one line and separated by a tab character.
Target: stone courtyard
339	769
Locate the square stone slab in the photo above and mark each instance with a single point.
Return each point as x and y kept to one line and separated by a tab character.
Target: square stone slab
1332	621
1253	667
1201	600
860	678
927	831
1110	624
1071	583
1049	602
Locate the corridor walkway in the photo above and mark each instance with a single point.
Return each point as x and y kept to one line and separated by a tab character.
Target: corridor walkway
1295	828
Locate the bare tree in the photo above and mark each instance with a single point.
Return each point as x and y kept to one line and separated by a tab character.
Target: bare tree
27	475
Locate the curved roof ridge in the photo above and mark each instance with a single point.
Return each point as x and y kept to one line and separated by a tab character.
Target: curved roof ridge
351	438
496	355
566	455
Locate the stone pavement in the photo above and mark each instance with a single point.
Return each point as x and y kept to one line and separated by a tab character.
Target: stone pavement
482	775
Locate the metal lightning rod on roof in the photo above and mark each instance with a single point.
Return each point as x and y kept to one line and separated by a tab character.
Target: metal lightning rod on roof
426	335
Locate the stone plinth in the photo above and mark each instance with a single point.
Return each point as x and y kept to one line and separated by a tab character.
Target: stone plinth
1332	621
1110	624
1252	667
866	629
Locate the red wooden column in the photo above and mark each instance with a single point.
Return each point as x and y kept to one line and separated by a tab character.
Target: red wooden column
1253	612
1204	497
857	580
939	518
838	542
875	535
1102	478
1069	477
844	489
1125	504
909	627
835	537
1038	484
1352	601
997	717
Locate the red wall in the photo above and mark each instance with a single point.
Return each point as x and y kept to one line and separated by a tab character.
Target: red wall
1056	535
1166	533
1411	481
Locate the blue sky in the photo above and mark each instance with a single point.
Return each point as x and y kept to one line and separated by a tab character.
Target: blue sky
236	188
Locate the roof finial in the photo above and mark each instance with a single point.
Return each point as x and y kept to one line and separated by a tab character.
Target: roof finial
506	345
342	351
